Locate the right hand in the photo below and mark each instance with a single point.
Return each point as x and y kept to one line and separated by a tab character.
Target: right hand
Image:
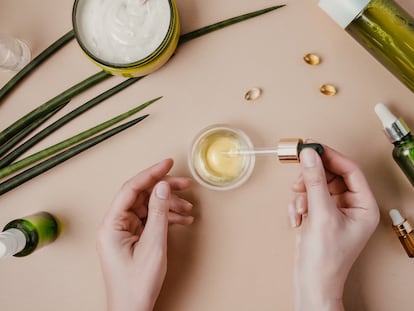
336	213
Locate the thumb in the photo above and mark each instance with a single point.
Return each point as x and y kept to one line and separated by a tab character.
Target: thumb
156	226
315	180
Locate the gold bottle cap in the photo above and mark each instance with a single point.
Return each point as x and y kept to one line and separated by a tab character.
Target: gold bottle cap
287	150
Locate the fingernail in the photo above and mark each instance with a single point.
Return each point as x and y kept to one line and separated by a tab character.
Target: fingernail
308	157
293	221
292	216
162	190
300	202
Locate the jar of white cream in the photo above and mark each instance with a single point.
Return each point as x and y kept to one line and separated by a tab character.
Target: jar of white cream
131	38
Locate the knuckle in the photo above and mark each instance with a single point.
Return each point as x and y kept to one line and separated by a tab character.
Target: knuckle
159	210
314	181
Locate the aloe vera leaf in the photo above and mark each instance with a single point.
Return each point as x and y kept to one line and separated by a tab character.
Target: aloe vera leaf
40	155
207	29
24	72
52	104
42	167
27	131
63	120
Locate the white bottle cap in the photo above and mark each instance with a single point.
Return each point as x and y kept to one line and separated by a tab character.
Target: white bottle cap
12	241
396	217
343	12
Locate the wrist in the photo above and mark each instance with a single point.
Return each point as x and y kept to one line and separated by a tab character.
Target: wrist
319	304
130	303
129	307
319	298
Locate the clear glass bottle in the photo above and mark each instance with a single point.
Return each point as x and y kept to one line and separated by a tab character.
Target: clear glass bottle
383	27
23	236
14	53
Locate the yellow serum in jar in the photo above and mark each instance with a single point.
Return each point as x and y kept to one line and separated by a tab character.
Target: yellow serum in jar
217	160
220	157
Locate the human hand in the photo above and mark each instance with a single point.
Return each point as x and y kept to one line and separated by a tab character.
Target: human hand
132	239
337	213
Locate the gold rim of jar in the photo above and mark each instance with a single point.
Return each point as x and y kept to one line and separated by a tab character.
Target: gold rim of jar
169	39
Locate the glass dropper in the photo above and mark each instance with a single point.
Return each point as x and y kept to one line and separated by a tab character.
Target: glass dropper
287	150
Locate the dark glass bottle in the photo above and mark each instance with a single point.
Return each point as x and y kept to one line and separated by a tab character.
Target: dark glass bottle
22	236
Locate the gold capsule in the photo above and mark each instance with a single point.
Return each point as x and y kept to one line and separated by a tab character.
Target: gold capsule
328	89
253	94
312	59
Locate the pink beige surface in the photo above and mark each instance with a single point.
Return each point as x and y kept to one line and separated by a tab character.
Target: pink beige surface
238	254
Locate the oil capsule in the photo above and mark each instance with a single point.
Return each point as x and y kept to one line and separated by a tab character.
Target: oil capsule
328	89
253	94
312	59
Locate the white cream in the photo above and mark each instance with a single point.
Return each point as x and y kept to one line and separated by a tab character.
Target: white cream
122	31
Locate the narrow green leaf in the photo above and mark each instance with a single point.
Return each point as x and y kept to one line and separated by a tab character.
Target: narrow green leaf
27	131
80	87
24	72
87	83
42	167
40	155
51	105
205	30
63	120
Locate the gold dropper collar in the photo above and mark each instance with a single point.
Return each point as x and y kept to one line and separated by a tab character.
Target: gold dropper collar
288	151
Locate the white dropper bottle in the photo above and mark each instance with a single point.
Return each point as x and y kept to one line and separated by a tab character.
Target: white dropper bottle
400	136
404	231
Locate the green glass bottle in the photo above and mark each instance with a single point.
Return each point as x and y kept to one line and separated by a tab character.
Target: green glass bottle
400	135
383	27
23	236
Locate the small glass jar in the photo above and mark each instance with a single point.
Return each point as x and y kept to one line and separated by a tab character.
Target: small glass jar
131	38
214	158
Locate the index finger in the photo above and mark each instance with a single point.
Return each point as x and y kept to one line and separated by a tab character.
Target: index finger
143	181
340	165
337	165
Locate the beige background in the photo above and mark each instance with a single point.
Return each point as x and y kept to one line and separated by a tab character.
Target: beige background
238	254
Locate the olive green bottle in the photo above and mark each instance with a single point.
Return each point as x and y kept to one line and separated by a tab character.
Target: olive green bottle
383	27
22	236
400	135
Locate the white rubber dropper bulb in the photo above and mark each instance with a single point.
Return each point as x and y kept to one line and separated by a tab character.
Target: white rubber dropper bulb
386	116
396	217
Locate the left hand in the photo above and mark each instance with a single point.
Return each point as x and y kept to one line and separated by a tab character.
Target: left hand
132	240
